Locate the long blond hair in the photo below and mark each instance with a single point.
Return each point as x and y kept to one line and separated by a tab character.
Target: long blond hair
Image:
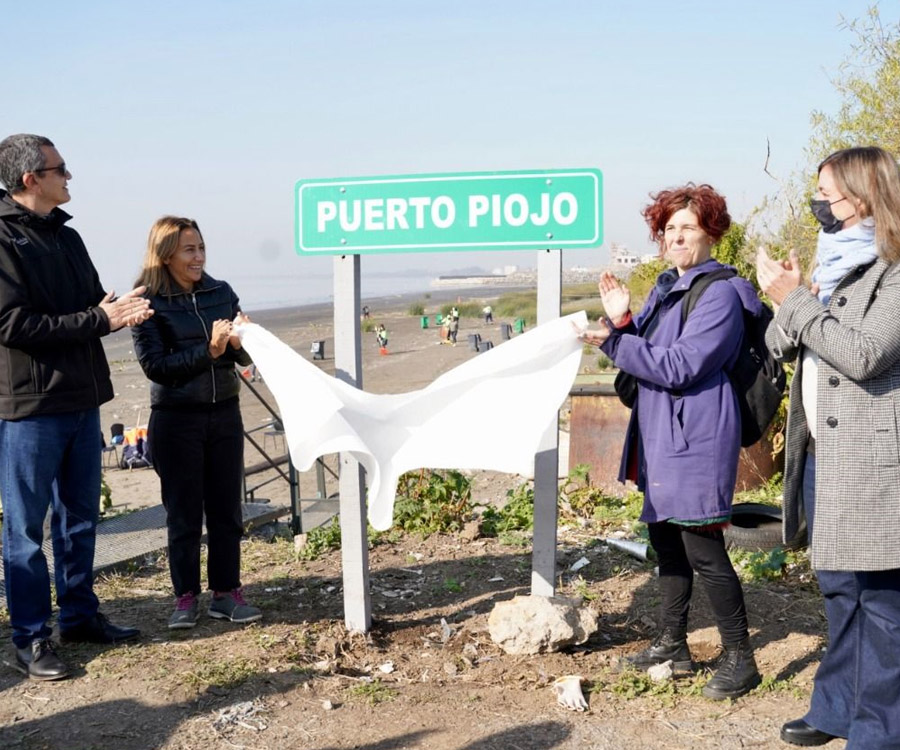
871	176
161	246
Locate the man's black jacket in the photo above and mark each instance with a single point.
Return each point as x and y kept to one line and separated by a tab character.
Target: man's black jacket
51	358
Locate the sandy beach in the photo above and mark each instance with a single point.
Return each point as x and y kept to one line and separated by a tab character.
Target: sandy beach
416	357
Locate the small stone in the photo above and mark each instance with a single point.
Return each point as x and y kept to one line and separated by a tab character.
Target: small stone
327	705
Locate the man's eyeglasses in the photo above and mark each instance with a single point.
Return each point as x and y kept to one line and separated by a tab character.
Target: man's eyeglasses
60	169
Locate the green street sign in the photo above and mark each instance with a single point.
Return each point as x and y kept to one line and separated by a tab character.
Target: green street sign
438	212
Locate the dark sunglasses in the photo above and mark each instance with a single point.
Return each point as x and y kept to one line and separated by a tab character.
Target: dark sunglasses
60	169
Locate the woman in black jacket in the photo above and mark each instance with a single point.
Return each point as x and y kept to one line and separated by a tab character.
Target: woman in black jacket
195	435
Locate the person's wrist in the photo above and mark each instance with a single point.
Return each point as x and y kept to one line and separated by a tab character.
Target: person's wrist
622	320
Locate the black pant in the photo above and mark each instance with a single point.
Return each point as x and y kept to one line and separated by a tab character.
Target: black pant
681	551
199	456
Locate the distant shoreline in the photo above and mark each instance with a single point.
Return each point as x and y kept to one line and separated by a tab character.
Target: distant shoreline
383	303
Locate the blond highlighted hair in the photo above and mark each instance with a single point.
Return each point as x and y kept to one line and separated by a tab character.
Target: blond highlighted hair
161	246
871	176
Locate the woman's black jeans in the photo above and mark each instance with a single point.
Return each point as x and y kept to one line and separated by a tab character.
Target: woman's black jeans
681	551
199	457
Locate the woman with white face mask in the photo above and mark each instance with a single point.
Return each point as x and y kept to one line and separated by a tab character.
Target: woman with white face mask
842	455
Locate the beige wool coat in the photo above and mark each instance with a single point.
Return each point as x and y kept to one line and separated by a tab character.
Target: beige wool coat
857	339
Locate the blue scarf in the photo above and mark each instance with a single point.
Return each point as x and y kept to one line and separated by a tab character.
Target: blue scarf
839	253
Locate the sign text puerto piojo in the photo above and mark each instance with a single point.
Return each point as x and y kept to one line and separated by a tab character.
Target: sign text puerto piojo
461	211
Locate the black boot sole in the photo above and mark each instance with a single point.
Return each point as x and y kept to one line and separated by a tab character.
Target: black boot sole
721	695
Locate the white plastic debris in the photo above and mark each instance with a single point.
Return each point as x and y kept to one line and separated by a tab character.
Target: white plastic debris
568	692
660	672
387	667
579	564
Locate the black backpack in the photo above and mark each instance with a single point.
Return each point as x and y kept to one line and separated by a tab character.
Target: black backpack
757	377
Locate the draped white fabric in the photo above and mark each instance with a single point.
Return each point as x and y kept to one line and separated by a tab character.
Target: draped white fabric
487	413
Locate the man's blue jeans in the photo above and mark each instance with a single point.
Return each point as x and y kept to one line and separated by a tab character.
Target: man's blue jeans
49	461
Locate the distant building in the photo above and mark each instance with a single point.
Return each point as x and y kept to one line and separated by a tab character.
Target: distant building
622	259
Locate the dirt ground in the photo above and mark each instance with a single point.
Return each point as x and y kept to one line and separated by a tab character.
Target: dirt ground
427	675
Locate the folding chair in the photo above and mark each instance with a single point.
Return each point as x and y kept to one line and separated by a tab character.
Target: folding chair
111	451
274	433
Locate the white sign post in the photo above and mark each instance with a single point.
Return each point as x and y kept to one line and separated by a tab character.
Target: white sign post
347	217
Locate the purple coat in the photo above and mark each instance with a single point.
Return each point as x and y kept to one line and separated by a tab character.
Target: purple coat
686	416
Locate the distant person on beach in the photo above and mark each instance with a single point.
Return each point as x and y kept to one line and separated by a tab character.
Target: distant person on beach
381	336
53	378
196	435
684	437
842	463
365	312
453	329
488	314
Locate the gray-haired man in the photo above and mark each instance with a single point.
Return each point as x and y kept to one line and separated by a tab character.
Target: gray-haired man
53	378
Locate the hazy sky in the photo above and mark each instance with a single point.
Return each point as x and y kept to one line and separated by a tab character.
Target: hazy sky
213	109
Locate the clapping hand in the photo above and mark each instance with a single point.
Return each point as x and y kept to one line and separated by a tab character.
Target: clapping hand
616	297
777	278
234	339
128	310
218	339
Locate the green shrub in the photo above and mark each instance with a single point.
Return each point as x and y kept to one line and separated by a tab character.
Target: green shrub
320	540
367	325
416	309
430	502
516	515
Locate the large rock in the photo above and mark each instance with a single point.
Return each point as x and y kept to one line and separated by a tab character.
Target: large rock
540	624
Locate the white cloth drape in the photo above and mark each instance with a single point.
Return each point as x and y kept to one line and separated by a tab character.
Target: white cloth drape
488	413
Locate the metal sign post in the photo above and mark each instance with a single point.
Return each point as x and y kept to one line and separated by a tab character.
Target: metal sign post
348	367
349	217
546	460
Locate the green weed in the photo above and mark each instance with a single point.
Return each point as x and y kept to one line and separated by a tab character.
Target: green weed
516	515
432	502
374	692
321	540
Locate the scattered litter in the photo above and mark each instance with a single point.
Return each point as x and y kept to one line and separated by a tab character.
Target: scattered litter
242	714
330	589
446	631
579	564
568	692
387	667
495	579
411	570
273	589
327	705
661	672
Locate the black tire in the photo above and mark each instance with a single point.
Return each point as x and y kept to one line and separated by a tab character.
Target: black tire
755	526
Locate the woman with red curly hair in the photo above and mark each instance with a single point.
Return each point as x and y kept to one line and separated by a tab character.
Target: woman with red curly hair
684	437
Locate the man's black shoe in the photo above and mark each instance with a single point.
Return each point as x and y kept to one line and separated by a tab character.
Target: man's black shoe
98	630
669	645
39	661
798	732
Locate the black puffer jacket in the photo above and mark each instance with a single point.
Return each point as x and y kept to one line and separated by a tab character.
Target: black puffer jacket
51	358
173	347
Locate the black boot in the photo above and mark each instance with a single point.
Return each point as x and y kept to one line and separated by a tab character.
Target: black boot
737	674
669	645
